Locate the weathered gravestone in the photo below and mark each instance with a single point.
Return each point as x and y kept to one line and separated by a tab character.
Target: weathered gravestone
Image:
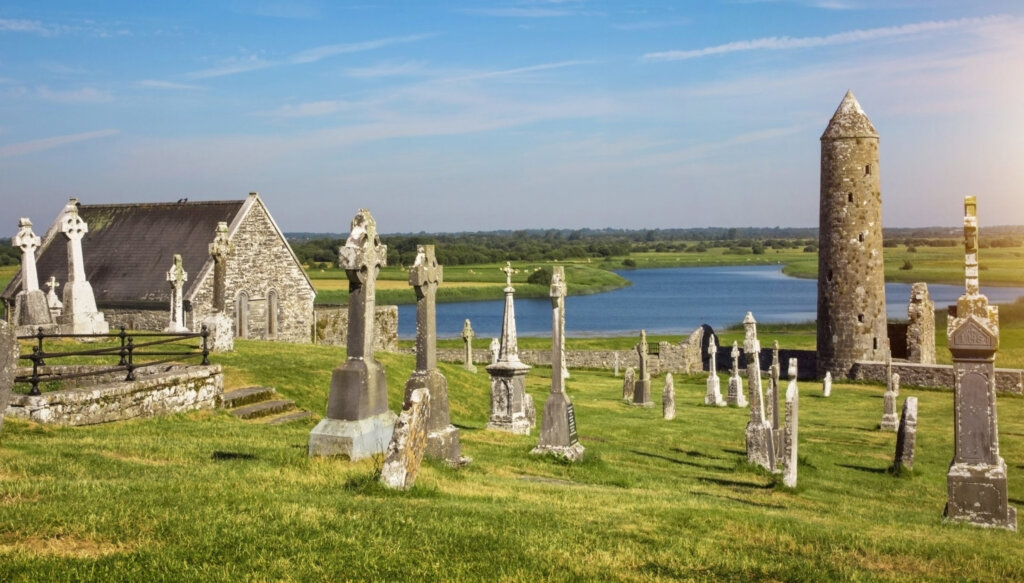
736	396
616	364
558	428
467	339
889	420
792	429
52	301
9	352
628	380
976	481
425	276
906	437
760	442
358	422
511	406
80	314
668	398
771	399
921	325
408	443
177	276
714	393
642	383
826	384
30	307
218	324
495	348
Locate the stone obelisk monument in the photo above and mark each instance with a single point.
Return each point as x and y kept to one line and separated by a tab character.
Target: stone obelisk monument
80	314
558	428
976	481
510	403
425	276
358	422
31	309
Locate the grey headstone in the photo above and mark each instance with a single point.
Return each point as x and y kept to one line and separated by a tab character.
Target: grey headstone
627	384
714	388
906	437
408	443
642	384
668	399
9	352
826	385
759	434
736	395
791	431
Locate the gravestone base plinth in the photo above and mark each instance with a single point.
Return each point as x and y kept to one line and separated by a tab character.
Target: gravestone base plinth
31	310
511	406
558	430
572	452
977	494
642	393
352	439
80	315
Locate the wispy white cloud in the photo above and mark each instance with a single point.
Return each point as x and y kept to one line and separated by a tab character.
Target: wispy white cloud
54	142
304	57
90	27
518	70
157	84
313	108
18	25
389	69
651	24
776	43
81	95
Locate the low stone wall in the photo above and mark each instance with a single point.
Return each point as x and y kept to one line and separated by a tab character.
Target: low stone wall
1008	380
332	327
137	319
174	389
594	359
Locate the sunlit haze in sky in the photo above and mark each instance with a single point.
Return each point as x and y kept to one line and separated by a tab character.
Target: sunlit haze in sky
480	115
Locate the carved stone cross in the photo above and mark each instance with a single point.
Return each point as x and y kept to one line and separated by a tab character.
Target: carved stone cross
425	276
219	250
177	277
558	329
361	257
508	273
52	284
74	228
28	242
713	355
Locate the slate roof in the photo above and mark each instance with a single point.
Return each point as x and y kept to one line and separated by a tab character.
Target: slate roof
130	247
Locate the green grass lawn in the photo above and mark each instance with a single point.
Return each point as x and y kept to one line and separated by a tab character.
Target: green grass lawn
204	496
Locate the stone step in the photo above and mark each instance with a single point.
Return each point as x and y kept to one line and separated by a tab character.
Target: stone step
263	409
286	418
239	397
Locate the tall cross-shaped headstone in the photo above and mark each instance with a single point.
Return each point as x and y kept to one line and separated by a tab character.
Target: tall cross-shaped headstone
80	314
30	309
736	395
425	276
760	439
358	422
467	341
642	384
52	301
558	428
714	392
976	481
219	250
509	351
176	276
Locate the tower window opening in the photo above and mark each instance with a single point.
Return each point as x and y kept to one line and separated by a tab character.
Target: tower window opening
874	343
860	318
867	170
861	237
849	197
828	277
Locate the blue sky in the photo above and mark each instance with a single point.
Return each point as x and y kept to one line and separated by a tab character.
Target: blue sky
479	115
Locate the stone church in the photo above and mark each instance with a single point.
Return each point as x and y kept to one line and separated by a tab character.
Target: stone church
129	248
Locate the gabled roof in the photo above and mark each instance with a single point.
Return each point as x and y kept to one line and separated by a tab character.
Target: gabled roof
130	247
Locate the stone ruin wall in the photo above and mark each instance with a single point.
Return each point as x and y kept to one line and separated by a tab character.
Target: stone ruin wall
179	388
851	286
1008	380
332	327
137	319
260	262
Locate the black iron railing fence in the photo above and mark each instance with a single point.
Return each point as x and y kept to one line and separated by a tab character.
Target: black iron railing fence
131	351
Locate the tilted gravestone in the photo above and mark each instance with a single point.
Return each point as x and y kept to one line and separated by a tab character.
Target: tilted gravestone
906	437
425	276
642	383
976	480
408	443
558	428
760	440
736	396
511	406
9	352
921	325
358	422
791	431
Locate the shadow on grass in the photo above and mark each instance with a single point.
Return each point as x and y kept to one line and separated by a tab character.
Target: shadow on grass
866	469
680	462
735	452
742	501
736	483
231	455
692	453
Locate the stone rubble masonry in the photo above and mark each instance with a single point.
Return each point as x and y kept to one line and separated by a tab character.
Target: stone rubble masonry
940	376
174	390
668	398
906	437
408	443
851	285
332	326
921	325
9	352
260	264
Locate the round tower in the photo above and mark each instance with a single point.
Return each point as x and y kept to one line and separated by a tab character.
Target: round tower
851	275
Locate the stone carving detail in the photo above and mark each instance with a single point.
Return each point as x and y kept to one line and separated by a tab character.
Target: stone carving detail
921	326
219	325
176	276
408	443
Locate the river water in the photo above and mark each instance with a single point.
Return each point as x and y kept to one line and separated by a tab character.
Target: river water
674	301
